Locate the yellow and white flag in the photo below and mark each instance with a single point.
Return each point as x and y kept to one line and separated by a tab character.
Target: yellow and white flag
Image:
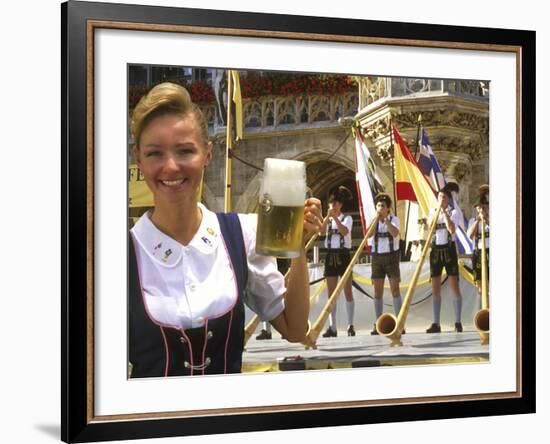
236	97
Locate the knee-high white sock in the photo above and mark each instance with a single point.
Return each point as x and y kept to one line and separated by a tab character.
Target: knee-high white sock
457	303
332	318
350	308
397	302
378	307
436	307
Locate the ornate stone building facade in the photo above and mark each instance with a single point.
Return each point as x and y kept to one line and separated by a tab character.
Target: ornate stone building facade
315	129
454	114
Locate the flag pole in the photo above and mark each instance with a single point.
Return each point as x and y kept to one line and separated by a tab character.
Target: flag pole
393	167
394	185
417	142
229	146
417	136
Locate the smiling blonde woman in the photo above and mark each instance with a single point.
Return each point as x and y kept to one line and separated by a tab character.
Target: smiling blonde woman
192	270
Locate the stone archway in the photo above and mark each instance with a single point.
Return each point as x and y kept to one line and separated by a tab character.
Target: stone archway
323	175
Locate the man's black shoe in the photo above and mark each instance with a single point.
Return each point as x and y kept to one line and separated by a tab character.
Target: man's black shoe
330	333
374	331
458	327
434	328
351	331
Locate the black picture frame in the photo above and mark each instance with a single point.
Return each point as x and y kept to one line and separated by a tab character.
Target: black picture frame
79	19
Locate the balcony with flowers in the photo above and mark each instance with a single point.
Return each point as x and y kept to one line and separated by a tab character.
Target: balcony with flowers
277	102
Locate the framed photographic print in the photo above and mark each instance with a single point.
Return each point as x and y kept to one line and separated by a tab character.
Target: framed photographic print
420	120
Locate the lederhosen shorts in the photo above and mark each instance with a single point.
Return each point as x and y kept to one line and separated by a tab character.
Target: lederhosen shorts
476	264
444	256
385	264
337	261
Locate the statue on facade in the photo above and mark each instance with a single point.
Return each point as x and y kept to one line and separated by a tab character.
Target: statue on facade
219	84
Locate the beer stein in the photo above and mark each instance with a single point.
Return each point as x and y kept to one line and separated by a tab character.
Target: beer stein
281	208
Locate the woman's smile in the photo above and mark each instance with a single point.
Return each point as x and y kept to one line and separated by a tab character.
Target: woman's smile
173	183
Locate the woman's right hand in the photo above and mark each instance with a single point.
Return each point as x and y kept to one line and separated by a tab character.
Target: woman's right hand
313	217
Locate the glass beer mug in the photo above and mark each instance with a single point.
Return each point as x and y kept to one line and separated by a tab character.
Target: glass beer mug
281	208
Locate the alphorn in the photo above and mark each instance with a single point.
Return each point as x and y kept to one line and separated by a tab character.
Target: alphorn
387	324
253	323
315	330
481	318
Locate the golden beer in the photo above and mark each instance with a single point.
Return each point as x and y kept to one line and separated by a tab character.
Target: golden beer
279	233
281	209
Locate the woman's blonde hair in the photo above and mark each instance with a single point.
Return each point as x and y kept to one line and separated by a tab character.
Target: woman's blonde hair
165	98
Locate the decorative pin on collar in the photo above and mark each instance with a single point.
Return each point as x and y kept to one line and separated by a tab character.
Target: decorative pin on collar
206	241
167	253
210	231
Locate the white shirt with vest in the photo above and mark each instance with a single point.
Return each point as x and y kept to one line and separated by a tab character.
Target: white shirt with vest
384	242
184	285
345	220
479	243
441	235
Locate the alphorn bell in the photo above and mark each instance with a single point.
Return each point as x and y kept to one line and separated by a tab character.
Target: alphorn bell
387	324
481	318
253	323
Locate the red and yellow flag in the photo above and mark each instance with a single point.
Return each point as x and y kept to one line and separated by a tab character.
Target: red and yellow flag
410	183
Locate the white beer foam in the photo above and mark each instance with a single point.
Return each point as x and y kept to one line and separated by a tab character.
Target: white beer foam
285	182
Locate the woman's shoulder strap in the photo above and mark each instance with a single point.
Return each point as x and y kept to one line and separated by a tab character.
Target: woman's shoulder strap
232	233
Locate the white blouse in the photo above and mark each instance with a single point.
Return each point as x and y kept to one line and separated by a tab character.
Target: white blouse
184	285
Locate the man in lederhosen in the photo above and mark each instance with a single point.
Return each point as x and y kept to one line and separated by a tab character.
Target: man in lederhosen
474	233
338	228
383	237
444	255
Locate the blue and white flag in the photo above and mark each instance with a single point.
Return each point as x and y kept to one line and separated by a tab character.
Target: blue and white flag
431	169
428	163
464	244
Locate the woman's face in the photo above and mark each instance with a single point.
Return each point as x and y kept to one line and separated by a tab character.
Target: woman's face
172	157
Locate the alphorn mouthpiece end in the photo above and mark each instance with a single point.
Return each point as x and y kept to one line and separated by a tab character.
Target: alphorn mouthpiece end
396	342
310	341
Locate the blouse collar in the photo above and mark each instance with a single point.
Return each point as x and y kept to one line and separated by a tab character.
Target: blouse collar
166	250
